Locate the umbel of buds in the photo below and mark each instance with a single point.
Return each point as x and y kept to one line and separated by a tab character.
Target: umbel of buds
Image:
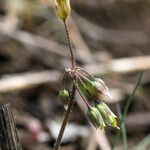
95	117
93	89
64	96
62	9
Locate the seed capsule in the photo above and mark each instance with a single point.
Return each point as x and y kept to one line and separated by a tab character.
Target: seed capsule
108	116
99	88
64	96
95	118
96	88
84	89
62	9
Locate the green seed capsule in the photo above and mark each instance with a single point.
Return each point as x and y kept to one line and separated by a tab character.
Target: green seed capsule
64	96
99	88
108	116
63	8
96	88
84	89
95	118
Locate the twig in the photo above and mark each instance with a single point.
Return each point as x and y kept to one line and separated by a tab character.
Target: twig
37	43
27	80
120	66
138	119
8	133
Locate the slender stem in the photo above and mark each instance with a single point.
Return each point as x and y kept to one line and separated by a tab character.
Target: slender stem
83	98
72	96
66	117
73	62
81	94
83	76
122	117
79	68
131	96
124	136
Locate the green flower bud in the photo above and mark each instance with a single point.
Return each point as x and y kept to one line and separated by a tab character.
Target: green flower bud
95	118
99	88
108	116
64	96
63	8
85	91
96	88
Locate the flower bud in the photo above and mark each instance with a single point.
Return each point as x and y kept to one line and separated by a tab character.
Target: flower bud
63	8
108	116
64	96
99	88
94	88
95	118
84	89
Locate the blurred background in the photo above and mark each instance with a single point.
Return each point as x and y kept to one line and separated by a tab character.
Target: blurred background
111	39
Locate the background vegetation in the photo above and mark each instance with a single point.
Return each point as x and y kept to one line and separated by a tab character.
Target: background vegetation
111	41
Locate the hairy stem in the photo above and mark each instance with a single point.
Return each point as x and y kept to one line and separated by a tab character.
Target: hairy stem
72	96
66	117
73	62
